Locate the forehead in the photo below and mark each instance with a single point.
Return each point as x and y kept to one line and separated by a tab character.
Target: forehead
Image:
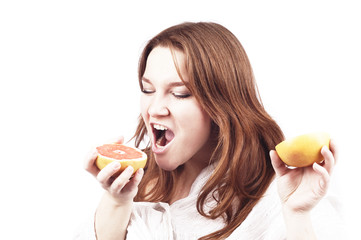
164	63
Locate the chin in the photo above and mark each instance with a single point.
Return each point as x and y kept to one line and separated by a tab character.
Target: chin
165	165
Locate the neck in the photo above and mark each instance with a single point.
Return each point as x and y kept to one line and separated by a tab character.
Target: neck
186	178
191	170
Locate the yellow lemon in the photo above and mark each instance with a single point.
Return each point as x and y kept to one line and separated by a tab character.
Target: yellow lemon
303	150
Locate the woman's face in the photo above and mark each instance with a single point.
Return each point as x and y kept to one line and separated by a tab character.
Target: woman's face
178	127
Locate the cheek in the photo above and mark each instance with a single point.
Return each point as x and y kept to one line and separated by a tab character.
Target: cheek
197	122
204	127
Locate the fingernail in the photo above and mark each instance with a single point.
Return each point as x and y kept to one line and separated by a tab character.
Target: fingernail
140	171
130	169
116	164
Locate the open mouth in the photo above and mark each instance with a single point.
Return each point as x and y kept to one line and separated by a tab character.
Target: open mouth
162	135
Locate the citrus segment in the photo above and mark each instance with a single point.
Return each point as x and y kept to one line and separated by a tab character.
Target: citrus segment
303	150
126	155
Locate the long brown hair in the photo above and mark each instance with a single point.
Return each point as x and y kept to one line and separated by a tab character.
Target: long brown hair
221	78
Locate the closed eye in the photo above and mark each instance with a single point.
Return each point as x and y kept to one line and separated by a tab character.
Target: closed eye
178	95
147	91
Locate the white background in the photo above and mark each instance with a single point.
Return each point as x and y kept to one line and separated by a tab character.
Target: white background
68	72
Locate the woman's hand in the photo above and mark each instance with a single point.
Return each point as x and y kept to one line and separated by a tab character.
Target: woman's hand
300	189
114	210
122	188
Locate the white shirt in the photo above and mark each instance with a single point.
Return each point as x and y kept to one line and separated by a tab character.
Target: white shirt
181	220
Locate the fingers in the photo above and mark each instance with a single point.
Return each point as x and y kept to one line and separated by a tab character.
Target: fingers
89	163
122	187
118	184
123	182
334	150
329	158
279	166
324	180
134	182
325	171
105	175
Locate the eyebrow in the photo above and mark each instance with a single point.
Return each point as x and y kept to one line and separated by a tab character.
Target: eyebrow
171	84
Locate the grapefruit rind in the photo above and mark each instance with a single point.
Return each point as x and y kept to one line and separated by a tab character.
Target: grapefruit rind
303	150
136	163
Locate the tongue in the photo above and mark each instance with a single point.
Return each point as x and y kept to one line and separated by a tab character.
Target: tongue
169	135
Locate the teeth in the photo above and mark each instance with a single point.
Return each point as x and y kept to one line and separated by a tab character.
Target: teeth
159	127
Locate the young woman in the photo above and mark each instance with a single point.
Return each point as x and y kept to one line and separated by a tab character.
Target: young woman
211	171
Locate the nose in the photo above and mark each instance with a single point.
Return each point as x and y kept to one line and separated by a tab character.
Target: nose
158	107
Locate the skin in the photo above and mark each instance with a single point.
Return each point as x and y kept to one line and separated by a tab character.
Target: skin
299	189
167	101
113	213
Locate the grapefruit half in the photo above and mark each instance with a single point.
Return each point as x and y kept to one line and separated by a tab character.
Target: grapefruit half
126	155
303	150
